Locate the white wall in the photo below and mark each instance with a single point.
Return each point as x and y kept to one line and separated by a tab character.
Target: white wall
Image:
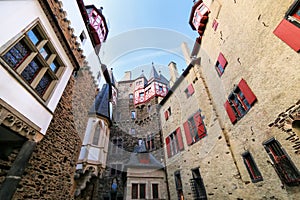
16	16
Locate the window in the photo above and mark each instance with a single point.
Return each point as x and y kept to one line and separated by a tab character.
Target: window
285	168
132	131
82	37
169	110
130	96
160	88
138	191
167	113
150	143
221	64
142	191
133	115
253	171
239	101
141	94
215	24
178	185
96	135
117	145
194	128
134	191
154	191
115	169
197	185
34	61
174	143
189	91
288	29
149	108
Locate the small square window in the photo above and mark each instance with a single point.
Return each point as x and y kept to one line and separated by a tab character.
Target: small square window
34	36
82	37
133	116
45	52
132	131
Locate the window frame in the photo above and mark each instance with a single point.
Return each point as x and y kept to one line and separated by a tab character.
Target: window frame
34	54
133	115
221	64
138	192
282	163
239	101
174	143
251	167
189	91
96	135
155	193
291	11
178	185
194	128
199	191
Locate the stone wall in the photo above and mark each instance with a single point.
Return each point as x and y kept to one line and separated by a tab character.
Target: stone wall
5	164
85	91
245	37
211	154
50	171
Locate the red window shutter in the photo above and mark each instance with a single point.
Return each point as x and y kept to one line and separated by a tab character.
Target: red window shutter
168	147
166	115
230	112
191	89
249	95
187	133
179	138
288	33
199	125
222	60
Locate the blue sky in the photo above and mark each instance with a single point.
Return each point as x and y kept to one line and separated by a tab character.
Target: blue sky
145	31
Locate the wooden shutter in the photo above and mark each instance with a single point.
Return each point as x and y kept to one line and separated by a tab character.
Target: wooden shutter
249	95
288	33
187	132
166	115
199	125
230	112
191	89
222	60
179	138
168	146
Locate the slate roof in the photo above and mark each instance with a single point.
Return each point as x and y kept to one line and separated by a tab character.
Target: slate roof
153	74
134	161
101	104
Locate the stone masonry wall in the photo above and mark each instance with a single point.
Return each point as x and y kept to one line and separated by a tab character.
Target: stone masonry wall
50	171
211	154
6	164
85	91
245	37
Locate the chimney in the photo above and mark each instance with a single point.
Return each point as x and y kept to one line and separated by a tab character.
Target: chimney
173	73
186	53
127	76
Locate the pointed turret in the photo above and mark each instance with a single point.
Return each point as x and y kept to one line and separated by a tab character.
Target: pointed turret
153	74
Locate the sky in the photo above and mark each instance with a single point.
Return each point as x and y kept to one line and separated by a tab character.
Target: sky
145	31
